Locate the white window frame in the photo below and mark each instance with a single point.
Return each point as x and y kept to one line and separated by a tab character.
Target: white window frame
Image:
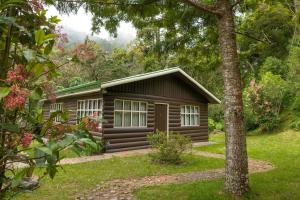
54	107
131	111
182	122
84	110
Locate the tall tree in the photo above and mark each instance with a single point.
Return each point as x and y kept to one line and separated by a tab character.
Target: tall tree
191	17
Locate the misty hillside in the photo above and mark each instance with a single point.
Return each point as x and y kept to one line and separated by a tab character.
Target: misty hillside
107	44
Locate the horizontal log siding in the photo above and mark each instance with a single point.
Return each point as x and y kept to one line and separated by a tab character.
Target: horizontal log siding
70	105
119	139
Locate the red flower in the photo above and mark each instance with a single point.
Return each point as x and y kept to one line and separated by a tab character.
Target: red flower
16	98
26	140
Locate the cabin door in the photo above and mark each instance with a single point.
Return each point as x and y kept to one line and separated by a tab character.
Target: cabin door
161	117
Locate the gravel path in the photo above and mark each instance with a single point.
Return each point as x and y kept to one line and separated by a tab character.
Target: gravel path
122	189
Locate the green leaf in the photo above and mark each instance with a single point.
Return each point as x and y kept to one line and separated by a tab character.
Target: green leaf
10	127
53	19
36	94
46	150
4	91
38	69
18	178
50	36
64	116
49	47
89	142
67	141
39	36
29	54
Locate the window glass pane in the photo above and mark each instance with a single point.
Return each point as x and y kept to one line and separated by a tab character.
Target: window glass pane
118	119
196	109
95	104
192	119
127	119
182	109
99	105
187	119
119	105
143	106
196	119
135	106
135	119
182	119
143	119
127	105
187	109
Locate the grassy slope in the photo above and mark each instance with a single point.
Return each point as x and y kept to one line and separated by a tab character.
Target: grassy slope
78	178
282	149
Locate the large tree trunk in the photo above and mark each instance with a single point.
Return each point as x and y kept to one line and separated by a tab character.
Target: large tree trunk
236	167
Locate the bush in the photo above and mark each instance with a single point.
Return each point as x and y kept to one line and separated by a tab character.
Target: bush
296	104
295	124
211	125
266	100
170	147
250	119
216	112
276	66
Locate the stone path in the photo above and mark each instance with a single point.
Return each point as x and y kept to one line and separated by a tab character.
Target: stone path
122	189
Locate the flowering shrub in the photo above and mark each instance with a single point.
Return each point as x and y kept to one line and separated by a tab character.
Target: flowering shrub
25	79
265	99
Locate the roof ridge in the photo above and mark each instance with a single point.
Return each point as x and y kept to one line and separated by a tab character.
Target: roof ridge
142	74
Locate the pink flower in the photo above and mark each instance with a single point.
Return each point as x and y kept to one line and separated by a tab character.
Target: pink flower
19	74
26	140
36	5
16	98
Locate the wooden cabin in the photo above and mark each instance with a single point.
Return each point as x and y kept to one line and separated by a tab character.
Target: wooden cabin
132	107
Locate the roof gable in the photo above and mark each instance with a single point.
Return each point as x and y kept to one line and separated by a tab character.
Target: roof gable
210	97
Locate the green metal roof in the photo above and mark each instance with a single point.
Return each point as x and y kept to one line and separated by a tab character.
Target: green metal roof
79	88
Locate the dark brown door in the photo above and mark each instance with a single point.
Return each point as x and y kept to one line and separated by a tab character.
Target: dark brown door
161	117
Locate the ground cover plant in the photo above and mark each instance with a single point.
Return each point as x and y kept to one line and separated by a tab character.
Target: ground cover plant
280	148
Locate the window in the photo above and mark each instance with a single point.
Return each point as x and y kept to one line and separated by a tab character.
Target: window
89	107
189	115
54	108
130	113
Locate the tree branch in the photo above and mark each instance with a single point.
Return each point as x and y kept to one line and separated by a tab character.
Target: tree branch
254	38
211	9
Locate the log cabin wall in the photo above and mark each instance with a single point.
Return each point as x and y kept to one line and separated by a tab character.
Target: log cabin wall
169	89
70	105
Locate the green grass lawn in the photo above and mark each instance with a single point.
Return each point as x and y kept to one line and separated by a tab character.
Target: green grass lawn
78	178
282	149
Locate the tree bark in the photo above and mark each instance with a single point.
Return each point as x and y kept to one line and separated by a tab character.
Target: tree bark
236	166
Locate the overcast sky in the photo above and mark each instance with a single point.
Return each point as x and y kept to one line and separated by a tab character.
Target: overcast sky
81	22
